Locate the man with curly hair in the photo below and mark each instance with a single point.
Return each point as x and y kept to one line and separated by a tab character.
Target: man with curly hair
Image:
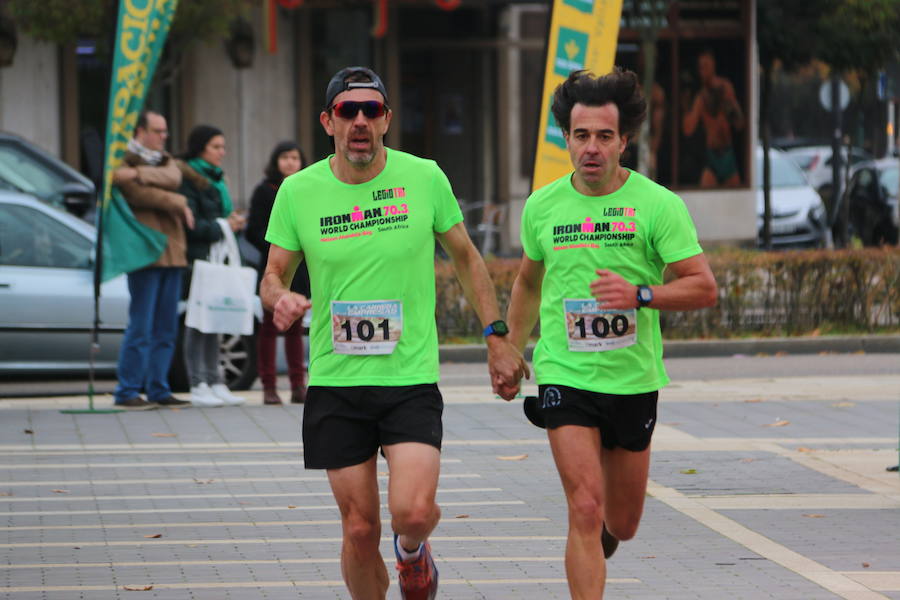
596	242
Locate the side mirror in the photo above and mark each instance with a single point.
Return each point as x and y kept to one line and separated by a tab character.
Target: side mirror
77	197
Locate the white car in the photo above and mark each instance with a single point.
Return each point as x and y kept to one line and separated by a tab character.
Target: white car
798	214
816	163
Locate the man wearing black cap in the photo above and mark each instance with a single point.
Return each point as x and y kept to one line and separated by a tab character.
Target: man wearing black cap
365	219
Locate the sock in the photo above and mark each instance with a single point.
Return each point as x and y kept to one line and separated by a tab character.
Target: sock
404	554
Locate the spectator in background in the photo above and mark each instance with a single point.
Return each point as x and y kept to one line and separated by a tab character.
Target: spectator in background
285	160
204	184
148	179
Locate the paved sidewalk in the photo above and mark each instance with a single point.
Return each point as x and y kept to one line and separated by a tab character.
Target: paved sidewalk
761	488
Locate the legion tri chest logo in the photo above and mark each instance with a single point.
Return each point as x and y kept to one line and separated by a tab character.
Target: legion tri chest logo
616	228
364	222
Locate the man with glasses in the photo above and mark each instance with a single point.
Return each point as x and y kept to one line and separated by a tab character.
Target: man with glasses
148	180
365	220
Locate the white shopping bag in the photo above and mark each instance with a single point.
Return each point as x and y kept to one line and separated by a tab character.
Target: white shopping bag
222	298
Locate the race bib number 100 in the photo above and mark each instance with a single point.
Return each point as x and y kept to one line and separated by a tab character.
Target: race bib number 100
366	327
592	329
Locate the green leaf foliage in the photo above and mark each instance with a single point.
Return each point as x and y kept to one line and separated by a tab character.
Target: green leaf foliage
66	21
761	294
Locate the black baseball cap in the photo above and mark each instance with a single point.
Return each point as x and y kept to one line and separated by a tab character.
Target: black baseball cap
340	84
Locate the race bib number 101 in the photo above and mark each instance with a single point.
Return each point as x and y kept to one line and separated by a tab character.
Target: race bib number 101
366	327
592	329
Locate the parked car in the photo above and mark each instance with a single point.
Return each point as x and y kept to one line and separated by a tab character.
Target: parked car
872	193
47	300
26	168
816	162
798	213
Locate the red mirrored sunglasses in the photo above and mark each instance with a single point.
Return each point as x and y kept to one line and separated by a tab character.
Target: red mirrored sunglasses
348	109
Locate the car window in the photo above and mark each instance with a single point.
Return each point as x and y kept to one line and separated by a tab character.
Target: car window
857	155
890	179
785	172
23	171
804	161
31	238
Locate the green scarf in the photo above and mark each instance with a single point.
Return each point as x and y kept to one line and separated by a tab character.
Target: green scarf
216	176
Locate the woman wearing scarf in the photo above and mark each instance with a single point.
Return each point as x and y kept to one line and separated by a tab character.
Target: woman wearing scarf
203	183
286	159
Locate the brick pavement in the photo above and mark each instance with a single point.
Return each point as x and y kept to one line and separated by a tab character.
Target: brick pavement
760	488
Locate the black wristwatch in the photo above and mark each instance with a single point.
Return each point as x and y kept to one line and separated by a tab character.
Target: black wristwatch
496	328
644	295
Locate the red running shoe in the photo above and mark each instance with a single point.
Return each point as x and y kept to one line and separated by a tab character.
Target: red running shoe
418	578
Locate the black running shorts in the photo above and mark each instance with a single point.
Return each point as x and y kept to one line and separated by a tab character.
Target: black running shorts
624	421
345	426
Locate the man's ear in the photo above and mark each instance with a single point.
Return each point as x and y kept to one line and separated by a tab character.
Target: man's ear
325	120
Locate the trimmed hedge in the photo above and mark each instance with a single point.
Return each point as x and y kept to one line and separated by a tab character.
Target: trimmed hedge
760	294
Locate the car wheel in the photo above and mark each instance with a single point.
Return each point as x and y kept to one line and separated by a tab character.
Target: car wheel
237	362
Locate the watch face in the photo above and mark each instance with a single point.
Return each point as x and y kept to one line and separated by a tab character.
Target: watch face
645	294
500	327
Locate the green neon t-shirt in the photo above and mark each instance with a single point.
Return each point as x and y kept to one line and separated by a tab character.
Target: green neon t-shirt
634	231
370	252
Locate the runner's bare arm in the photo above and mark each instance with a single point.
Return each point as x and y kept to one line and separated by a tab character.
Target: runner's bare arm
525	301
694	287
274	290
505	363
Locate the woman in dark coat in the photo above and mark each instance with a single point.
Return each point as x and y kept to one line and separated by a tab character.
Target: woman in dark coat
203	183
286	159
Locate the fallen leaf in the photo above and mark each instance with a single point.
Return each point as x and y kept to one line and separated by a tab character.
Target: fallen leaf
462	516
28	431
843	404
762	354
5	494
650	556
688	471
164	434
60	491
516	457
153	536
804	449
866	565
814	516
781	423
291	506
754	400
137	588
781	353
747	460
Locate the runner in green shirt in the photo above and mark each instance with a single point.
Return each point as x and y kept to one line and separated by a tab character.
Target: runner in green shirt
596	243
365	219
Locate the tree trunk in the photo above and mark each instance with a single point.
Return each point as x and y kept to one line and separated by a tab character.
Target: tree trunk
645	164
766	130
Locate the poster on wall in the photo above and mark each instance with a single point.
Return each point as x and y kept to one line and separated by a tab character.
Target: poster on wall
712	124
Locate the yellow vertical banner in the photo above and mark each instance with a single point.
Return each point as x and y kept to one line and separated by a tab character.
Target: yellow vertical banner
583	35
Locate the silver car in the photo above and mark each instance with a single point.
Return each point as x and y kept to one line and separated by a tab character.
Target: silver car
798	214
47	291
47	300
